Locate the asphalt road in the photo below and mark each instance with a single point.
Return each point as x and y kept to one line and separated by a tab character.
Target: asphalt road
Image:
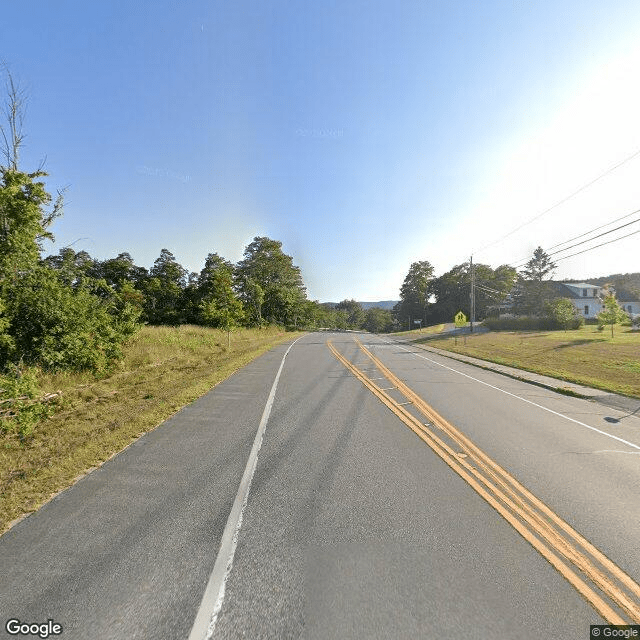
353	527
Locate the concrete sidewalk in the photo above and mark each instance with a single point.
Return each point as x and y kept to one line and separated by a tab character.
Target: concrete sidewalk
613	400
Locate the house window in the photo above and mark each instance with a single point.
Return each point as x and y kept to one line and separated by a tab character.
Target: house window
586	309
595	293
584	293
629	308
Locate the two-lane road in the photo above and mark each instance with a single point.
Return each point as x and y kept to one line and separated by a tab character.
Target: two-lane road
354	524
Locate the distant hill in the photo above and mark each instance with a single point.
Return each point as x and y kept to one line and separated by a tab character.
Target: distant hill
383	304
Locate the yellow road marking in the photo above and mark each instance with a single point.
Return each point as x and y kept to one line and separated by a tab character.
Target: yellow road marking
500	475
507	501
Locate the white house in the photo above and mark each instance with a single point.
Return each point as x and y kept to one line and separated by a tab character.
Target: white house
586	298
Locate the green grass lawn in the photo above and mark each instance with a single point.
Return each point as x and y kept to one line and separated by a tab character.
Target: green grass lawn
164	369
585	356
436	328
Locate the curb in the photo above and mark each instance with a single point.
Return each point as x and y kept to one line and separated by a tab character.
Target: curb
607	398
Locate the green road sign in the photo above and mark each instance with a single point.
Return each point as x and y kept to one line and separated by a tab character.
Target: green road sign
460	319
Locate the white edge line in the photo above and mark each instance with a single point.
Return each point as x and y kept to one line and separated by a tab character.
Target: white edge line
513	395
213	598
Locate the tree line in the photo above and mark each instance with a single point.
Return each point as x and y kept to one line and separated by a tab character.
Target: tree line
265	287
528	294
72	312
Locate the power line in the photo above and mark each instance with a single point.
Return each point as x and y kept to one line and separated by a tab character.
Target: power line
599	245
491	292
602	226
523	261
573	246
594	237
565	199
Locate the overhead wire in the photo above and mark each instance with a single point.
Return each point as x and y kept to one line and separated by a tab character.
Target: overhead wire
602	226
622	226
491	292
633	233
520	263
562	201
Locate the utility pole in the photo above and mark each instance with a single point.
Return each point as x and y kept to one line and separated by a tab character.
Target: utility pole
473	295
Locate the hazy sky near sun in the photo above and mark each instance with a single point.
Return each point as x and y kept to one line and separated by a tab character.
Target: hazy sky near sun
364	135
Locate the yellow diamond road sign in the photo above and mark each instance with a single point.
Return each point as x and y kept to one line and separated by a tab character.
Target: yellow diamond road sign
460	319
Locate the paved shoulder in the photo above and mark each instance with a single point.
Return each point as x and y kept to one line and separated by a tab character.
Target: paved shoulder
126	552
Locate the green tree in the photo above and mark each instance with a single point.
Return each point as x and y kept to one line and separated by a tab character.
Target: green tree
7	342
116	271
163	291
73	268
252	295
378	320
269	284
563	311
340	320
128	294
539	267
220	308
53	313
451	291
25	212
414	293
213	265
354	311
612	312
532	289
23	222
62	327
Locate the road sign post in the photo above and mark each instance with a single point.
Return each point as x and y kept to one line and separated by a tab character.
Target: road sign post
460	320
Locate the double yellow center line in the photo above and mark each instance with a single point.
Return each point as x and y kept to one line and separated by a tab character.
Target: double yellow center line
612	593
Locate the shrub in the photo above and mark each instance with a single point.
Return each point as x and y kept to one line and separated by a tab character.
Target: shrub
59	327
20	405
529	323
562	311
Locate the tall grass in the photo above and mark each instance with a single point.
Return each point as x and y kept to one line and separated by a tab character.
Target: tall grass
163	369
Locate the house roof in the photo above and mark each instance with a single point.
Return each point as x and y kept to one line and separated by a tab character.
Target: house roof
582	285
625	296
563	290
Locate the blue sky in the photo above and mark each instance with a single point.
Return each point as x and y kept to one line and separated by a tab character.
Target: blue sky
363	135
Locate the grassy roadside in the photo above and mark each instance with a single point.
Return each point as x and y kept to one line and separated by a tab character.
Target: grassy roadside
584	356
433	329
164	369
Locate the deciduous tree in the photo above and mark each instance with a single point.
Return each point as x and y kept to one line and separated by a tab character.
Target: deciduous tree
612	312
563	311
270	285
354	311
221	308
378	320
415	292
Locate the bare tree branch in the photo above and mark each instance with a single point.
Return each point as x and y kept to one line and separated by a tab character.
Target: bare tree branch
14	109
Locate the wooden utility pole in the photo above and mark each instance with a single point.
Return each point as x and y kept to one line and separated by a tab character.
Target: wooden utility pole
473	295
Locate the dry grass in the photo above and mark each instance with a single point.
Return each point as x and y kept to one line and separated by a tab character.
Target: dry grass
584	356
164	369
